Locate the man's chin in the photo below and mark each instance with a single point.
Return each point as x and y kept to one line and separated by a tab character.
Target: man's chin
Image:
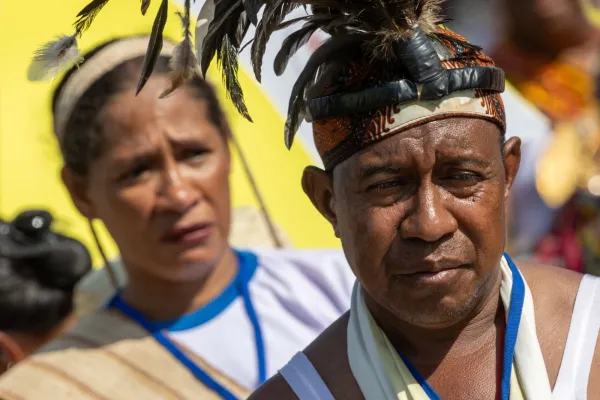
436	311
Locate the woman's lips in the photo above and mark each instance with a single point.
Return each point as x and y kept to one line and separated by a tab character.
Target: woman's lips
191	234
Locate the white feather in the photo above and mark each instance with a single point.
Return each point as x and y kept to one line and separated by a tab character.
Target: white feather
54	57
184	66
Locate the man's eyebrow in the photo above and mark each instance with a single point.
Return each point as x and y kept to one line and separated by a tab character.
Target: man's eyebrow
468	161
368	170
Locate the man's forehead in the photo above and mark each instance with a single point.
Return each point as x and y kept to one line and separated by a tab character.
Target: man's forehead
453	135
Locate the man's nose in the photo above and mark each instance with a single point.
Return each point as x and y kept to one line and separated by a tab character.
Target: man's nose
429	218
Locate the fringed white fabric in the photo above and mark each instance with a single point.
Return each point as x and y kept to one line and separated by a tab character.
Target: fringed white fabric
382	375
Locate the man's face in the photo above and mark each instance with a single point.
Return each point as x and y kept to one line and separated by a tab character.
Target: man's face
421	217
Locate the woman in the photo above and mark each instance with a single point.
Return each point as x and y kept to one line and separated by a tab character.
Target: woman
38	273
197	318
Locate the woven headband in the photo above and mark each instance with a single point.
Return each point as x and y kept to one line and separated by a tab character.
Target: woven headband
104	61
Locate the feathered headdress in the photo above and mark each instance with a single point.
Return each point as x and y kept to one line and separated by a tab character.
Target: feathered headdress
381	57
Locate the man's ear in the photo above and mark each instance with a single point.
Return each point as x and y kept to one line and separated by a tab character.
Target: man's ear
318	186
10	352
512	160
78	189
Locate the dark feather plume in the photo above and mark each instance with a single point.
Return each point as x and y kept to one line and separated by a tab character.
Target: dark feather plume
87	15
155	44
228	16
370	27
144	6
273	16
297	106
252	7
227	56
299	38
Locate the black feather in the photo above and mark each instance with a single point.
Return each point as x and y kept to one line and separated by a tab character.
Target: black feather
296	40
252	7
145	5
229	12
228	60
87	15
330	49
273	15
242	29
291	45
155	44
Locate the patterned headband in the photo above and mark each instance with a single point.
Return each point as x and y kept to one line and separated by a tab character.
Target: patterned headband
384	102
104	61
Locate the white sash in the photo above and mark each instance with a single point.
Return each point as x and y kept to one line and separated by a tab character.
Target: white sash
382	375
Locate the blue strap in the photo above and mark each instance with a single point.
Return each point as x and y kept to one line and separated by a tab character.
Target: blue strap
155	330
517	298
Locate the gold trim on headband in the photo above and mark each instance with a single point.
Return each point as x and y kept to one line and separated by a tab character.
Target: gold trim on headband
109	57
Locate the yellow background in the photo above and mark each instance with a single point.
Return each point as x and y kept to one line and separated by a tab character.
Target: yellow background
29	160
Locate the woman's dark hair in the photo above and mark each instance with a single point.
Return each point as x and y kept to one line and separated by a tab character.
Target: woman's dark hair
83	139
39	269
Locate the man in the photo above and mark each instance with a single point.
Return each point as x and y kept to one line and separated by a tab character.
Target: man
410	126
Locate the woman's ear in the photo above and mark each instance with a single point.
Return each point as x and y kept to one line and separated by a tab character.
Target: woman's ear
318	186
78	189
10	352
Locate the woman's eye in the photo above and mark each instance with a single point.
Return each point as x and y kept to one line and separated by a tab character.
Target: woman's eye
194	154
134	173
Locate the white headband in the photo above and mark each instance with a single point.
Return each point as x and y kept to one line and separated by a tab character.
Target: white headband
105	60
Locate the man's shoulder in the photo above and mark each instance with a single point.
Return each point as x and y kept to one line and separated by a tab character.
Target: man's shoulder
551	286
328	354
554	291
274	388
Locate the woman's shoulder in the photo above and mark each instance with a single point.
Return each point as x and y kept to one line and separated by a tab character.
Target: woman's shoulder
322	273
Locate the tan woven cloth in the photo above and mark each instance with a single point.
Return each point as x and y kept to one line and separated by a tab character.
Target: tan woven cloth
107	357
248	230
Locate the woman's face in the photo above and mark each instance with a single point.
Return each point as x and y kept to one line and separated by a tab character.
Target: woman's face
161	183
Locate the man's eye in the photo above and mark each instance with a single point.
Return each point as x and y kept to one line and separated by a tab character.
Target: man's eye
382	186
465	177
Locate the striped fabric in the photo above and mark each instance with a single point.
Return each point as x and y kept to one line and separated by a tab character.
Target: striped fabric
107	357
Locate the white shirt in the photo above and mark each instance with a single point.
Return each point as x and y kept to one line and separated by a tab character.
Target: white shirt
296	294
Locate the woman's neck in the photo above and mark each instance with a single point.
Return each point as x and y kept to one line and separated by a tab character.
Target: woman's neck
427	346
161	300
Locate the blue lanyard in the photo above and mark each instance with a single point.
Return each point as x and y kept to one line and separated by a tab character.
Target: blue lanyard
513	321
118	303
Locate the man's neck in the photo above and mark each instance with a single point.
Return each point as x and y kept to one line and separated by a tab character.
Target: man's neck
162	300
426	346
